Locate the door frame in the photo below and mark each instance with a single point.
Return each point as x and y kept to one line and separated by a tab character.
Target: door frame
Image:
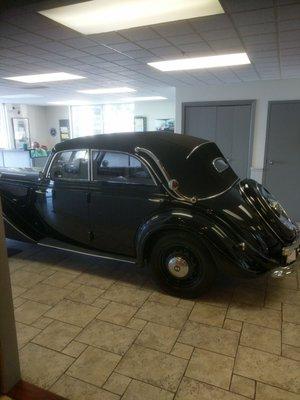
268	134
251	102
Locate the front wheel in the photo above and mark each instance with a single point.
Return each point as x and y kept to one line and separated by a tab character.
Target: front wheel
181	265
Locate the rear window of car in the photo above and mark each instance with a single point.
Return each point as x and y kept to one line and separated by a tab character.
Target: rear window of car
119	167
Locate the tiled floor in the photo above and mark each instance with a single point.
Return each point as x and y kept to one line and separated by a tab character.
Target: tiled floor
102	331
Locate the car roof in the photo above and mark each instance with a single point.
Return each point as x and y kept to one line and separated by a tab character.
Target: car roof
156	142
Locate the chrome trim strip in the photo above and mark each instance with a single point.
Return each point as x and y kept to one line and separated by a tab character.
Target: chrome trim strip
17	229
223	159
196	148
86	253
220	193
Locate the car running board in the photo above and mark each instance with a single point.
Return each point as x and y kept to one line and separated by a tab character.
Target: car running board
56	244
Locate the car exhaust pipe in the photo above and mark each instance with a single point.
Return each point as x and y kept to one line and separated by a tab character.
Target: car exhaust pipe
281	272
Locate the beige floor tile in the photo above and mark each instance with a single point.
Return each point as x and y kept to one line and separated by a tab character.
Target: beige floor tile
59	279
45	294
117	313
139	390
73	313
211	338
261	338
291	313
208	314
85	294
291	334
283	295
42	322
18	301
217	297
268	368
163	314
25	279
191	389
289	281
17	290
266	392
243	386
100	303
158	337
249	295
74	349
30	311
74	389
187	304
209	367
136	323
57	335
117	383
153	367
126	295
164	299
233	325
93	279
291	352
107	336
25	333
255	315
182	350
42	366
94	366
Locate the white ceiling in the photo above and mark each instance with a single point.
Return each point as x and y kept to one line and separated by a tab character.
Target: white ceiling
269	31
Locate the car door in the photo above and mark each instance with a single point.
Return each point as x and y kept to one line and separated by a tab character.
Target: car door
62	198
123	196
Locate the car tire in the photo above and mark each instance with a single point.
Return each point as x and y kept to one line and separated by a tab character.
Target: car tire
182	266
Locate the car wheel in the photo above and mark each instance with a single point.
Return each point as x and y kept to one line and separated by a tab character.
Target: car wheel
181	265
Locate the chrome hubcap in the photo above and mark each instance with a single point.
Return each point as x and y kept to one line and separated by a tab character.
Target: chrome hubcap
178	267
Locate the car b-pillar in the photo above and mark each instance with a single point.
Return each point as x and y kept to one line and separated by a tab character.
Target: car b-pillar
9	357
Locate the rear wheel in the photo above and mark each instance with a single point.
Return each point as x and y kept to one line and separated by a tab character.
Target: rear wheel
181	265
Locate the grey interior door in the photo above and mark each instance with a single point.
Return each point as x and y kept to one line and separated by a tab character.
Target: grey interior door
282	160
229	124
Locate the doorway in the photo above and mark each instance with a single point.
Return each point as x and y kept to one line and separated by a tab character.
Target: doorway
229	124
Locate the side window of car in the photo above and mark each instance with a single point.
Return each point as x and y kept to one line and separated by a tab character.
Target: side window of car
119	167
71	165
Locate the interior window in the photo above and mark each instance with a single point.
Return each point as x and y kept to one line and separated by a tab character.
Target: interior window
70	165
119	167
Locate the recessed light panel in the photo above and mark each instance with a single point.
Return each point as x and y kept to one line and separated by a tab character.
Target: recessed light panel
52	77
143	98
69	103
107	90
19	96
99	16
182	64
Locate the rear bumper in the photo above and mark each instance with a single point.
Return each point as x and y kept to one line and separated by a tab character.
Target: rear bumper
290	253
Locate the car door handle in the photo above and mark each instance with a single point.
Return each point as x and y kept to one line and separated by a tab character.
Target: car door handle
39	191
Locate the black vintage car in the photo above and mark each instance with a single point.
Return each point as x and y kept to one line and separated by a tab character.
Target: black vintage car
166	200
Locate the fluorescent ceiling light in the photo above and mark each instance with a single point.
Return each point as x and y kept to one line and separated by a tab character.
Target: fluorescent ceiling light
69	103
99	16
144	98
19	96
225	60
107	90
52	77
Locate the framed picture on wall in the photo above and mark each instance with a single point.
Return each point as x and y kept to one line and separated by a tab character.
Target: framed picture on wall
140	123
21	133
165	125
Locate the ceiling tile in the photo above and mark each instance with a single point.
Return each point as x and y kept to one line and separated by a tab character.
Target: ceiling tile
288	25
226	45
79	42
8	43
268	27
128	46
219	34
173	28
199	48
135	34
254	17
246	5
213	22
185	39
153	43
289	12
261	39
108	38
138	53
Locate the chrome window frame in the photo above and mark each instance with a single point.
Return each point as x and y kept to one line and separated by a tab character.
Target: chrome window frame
147	167
223	159
69	179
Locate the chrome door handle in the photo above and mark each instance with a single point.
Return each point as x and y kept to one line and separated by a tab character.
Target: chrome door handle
40	191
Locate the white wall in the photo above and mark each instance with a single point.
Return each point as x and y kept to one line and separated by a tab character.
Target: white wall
154	110
53	115
261	91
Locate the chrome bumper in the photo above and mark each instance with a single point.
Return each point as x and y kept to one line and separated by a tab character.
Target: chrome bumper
290	253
